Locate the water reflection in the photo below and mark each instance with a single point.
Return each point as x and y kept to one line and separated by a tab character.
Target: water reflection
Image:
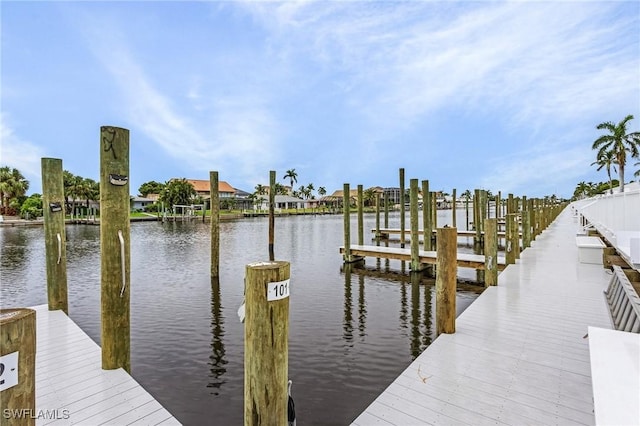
217	361
347	323
362	307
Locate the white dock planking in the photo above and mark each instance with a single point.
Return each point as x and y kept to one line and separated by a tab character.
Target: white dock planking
520	354
72	387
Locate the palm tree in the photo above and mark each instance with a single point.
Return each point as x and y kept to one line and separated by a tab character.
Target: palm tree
618	142
466	194
607	160
637	173
13	185
322	191
310	189
261	189
292	176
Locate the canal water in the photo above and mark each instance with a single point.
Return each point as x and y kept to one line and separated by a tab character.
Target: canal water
352	331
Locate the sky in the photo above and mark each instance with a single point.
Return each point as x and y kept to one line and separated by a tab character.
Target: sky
504	96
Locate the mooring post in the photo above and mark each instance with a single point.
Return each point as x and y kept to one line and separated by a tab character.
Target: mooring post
427	227
346	222
453	209
402	221
490	252
511	241
526	227
214	187
386	210
476	216
266	345
377	215
360	215
499	205
55	241
272	219
18	361
413	216
446	267
434	210
114	248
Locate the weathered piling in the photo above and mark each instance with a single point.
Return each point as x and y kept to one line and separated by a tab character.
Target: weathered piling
413	215
510	238
114	248
499	205
476	217
18	362
272	218
402	220
377	215
446	267
53	207
453	209
266	343
427	225
526	227
490	252
346	222
434	210
360	215
386	210
215	224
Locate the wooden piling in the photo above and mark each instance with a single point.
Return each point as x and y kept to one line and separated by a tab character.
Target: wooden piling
18	361
413	215
377	215
526	227
266	343
115	248
490	252
272	217
434	210
346	222
402	220
453	209
360	215
53	207
386	210
446	267
510	240
215	223
499	205
476	217
427	225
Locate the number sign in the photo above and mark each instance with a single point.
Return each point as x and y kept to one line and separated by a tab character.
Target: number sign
278	290
8	370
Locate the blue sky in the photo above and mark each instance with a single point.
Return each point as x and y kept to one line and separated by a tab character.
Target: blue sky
496	95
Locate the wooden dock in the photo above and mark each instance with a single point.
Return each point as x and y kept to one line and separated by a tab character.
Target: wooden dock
72	387
385	232
520	354
465	260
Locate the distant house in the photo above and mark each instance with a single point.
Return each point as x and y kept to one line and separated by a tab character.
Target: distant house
281	202
203	188
139	203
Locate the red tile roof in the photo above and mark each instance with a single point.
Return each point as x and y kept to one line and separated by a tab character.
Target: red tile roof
204	186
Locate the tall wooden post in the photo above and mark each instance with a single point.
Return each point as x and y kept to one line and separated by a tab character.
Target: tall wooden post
510	240
214	187
434	210
490	252
114	247
346	207
510	204
476	216
377	215
454	209
413	215
427	226
402	221
272	218
499	205
386	210
53	207
360	215
532	218
266	343
446	265
18	360
526	227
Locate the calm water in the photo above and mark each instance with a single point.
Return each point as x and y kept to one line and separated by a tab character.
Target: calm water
352	331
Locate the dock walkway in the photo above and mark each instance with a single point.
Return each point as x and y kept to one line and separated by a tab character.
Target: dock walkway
520	354
72	387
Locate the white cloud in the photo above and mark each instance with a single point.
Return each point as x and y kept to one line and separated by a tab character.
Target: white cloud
20	154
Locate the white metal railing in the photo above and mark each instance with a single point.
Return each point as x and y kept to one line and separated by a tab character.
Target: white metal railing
617	218
624	303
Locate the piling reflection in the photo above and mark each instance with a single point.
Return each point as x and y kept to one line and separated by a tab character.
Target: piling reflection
362	307
347	322
217	362
415	315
